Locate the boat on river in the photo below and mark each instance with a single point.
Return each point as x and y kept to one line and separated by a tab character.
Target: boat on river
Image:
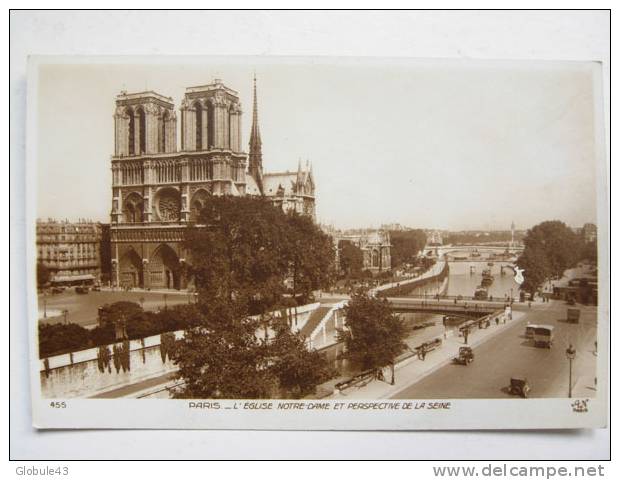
487	278
481	293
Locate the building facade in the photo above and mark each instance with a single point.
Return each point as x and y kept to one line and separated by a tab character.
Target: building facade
159	186
589	232
70	251
374	244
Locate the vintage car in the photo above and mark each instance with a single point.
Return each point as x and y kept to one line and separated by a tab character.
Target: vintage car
519	386
82	290
465	356
572	315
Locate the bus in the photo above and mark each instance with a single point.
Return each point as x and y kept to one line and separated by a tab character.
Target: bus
543	336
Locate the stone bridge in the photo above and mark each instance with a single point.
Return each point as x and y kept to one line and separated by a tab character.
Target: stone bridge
441	250
470	309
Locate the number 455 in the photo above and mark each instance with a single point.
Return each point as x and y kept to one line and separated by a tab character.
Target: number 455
58	404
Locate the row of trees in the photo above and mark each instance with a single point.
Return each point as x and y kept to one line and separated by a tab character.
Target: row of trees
551	247
480	237
58	338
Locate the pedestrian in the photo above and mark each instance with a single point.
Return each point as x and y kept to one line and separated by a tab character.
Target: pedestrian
465	334
529	304
497	320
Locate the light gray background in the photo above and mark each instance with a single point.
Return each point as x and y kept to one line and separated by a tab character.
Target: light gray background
483	35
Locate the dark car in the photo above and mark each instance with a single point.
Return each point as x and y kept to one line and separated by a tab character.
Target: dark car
465	357
81	290
519	386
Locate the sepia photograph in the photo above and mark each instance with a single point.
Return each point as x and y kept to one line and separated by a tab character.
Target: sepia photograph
253	242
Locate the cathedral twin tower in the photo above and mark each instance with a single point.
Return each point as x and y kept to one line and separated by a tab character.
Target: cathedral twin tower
157	188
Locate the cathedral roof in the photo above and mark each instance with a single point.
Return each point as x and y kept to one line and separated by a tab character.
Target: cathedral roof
272	182
251	187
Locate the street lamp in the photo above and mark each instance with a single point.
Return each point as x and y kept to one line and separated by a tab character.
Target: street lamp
571	353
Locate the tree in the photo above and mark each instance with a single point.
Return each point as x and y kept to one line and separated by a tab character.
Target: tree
223	357
406	245
550	248
535	267
310	255
241	252
43	274
374	336
248	247
297	369
558	242
351	259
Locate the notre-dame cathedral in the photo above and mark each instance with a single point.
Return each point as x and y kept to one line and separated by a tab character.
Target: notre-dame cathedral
158	189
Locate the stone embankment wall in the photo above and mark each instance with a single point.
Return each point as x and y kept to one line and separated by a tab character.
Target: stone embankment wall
86	373
439	271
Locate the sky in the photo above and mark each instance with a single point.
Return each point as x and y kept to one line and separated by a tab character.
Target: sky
428	144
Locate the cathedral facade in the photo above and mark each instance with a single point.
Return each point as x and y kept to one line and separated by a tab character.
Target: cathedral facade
159	185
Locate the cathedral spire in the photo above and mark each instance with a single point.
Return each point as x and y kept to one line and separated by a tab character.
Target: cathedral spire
256	153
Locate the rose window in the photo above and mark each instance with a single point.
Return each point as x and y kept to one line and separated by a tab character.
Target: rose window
169	206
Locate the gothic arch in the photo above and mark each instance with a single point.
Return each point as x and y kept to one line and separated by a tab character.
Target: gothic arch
141	120
133	207
198	202
165	268
131	130
198	125
374	259
210	124
130	269
164	120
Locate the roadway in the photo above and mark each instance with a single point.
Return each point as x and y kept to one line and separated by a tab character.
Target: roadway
82	309
510	354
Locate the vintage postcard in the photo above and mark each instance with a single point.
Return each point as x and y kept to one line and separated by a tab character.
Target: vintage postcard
317	243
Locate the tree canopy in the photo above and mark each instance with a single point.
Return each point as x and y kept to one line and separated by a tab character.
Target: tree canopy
374	336
245	248
406	245
351	259
551	247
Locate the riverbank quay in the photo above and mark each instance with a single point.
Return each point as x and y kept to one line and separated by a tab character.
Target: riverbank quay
438	271
414	368
501	351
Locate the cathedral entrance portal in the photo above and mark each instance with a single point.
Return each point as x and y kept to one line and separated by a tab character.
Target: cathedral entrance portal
131	274
165	269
